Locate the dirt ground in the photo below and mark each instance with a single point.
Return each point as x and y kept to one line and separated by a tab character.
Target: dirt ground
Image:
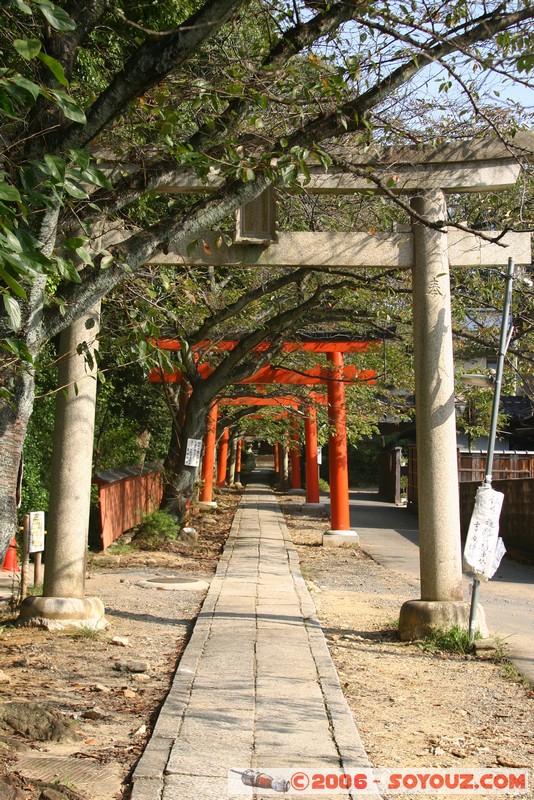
414	706
92	698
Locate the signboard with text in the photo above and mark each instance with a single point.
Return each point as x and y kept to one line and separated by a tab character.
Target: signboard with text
192	452
37	531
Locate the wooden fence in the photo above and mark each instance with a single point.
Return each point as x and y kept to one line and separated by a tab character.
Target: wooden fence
513	474
507	465
516	524
124	496
389	475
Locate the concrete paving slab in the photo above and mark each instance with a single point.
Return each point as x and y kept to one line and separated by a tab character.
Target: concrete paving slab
258	686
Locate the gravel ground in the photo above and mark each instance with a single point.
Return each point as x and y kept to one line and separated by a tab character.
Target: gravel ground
413	707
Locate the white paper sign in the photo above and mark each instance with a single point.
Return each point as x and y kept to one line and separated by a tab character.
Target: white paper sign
319	456
192	452
483	548
37	531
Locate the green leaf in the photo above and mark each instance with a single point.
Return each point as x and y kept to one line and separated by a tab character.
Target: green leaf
75	241
27	48
84	255
96	177
67	270
55	68
9	193
75	189
18	348
13	312
28	86
67	105
57	17
191	247
14	285
13	242
22	6
106	261
56	167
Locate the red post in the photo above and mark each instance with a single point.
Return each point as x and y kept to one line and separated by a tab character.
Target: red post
337	444
208	462
276	458
295	454
222	459
312	467
238	461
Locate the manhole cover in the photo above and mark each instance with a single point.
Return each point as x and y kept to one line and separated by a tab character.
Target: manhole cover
175	584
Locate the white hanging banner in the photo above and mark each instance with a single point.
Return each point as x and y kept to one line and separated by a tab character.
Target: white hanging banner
484	548
192	452
319	456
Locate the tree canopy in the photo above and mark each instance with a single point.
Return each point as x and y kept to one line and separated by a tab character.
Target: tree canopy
104	104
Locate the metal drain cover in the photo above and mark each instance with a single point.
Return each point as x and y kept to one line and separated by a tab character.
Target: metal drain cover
175	583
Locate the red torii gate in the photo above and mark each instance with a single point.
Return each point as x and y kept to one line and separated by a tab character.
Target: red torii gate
310	437
335	379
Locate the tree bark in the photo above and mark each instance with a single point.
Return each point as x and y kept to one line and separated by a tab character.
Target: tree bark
180	483
14	417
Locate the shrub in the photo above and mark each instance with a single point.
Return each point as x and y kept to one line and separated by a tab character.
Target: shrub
156	531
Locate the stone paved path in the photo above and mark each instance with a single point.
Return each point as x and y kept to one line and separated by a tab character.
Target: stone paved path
256	687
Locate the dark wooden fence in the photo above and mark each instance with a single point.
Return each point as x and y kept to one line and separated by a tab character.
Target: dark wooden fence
389	475
124	496
507	465
516	524
513	475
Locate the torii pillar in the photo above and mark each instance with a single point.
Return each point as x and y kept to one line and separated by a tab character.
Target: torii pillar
238	459
222	458
276	457
208	462
64	603
294	455
340	532
312	466
441	604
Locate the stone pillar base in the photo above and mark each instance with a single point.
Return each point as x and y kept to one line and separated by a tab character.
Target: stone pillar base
419	617
297	491
313	506
340	539
57	613
207	505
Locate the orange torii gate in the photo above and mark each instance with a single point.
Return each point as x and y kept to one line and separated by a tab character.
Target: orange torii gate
310	437
334	377
270	375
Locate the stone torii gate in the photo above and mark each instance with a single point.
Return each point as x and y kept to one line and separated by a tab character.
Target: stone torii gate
426	176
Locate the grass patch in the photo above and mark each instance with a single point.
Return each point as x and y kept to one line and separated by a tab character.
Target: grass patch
85	632
36	590
455	640
118	548
512	673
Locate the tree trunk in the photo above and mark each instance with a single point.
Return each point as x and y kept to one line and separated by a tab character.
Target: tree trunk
15	413
180	482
